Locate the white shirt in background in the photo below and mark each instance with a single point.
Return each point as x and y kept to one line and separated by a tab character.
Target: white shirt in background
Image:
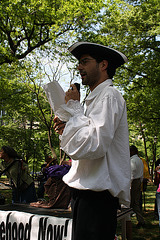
136	168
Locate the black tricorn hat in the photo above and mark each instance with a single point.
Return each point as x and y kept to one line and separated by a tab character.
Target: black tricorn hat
113	56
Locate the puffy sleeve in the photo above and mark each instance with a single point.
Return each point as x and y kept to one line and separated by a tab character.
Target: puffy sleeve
89	136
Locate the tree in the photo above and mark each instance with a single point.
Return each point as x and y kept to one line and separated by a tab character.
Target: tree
26	118
26	25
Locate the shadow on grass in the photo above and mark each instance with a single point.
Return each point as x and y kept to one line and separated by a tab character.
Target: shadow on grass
151	229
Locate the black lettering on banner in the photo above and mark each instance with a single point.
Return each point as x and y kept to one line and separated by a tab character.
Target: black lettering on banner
21	231
14	231
50	232
8	227
66	228
58	232
27	232
42	228
2	230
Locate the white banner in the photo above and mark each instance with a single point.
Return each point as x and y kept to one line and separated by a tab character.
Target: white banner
16	225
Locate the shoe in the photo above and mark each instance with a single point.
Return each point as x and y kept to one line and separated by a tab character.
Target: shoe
38	204
139	225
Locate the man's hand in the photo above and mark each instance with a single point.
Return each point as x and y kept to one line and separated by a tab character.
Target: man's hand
72	93
58	125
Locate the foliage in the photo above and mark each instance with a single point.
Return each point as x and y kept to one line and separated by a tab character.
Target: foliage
26	25
23	125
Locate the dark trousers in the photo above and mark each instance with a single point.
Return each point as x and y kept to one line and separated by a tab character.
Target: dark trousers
41	190
26	196
135	199
94	215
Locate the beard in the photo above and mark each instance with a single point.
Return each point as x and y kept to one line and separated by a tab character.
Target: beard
91	77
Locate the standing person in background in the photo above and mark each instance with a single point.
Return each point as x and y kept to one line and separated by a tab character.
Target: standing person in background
136	180
23	190
98	143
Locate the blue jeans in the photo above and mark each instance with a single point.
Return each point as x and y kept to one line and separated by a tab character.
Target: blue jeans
158	205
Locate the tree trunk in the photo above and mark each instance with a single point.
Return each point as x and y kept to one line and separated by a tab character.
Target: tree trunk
50	144
144	141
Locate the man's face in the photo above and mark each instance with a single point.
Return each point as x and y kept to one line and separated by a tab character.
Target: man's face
89	71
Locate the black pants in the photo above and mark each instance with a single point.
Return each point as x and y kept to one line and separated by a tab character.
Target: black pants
135	199
94	215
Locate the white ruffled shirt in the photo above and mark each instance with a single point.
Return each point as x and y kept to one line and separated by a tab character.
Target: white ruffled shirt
98	143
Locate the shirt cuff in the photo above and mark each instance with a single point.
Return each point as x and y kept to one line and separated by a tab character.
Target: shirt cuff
74	107
66	111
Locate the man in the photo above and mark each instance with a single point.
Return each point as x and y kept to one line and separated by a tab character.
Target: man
98	144
136	180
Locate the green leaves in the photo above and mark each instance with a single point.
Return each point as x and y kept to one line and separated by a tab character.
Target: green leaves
27	25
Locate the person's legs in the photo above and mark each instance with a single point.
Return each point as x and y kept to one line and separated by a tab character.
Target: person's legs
158	204
2	199
41	190
94	215
129	230
135	200
29	195
155	208
16	196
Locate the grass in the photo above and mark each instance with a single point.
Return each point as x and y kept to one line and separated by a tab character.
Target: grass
151	230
